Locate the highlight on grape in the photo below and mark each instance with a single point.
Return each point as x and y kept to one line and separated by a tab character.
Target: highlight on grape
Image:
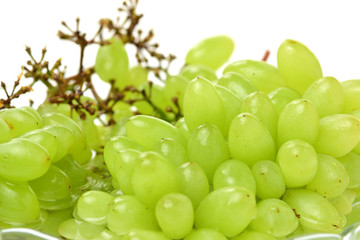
255	152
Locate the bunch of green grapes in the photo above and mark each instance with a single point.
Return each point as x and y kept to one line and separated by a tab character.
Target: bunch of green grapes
262	152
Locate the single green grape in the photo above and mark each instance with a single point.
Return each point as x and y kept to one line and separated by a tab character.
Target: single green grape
343	203
175	87
183	129
298	65
76	173
351	89
281	96
136	76
212	52
205	234
351	162
173	151
237	83
193	71
64	137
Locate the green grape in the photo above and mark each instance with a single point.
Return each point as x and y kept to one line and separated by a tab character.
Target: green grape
53	185
136	76
4	131
19	203
23	160
258	104
249	140
123	167
34	113
237	83
298	120
119	129
205	234
315	213
274	217
92	133
338	135
193	71
92	206
298	163
231	103
173	151
115	145
53	220
327	95
61	204
121	109
343	203
46	108
58	119
15	119
298	65
126	213
89	230
65	139
297	233
148	131
234	173
207	147
212	52
354	216
202	104
193	182
141	234
73	170
69	229
357	115
351	90
83	157
280	97
228	209
351	162
262	75
153	176
112	61
331	178
269	179
183	129
175	215
253	235
44	138
175	87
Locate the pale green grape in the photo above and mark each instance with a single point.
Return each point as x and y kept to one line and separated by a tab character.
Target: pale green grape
92	206
274	217
234	173
297	233
34	113
15	119
327	95
212	52
83	157
298	120
231	103
237	83
4	131
183	129
58	119
23	160
53	185
229	210
207	147
202	104
343	203
69	229
269	179
123	164
354	216
298	65
115	145
64	138
44	138
89	230
193	182
126	213
314	212
173	151
73	170
263	76
136	76
175	215
92	133
193	71
253	235
148	131
258	104
249	140
53	220
331	178
153	176
61	204
351	162
19	203
121	109
357	115
112	61
298	163
351	90
338	135
280	97
205	234
141	234
175	87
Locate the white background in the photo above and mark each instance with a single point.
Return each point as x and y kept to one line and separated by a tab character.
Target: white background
331	29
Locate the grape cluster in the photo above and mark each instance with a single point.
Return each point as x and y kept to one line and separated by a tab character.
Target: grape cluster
262	152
